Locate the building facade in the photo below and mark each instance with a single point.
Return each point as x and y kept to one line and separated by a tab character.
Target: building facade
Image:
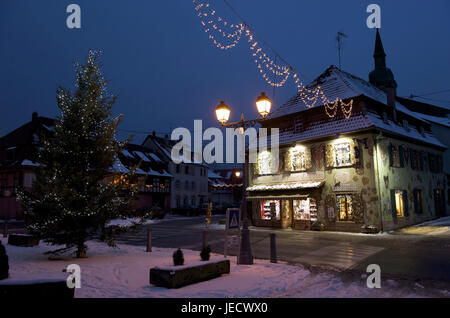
18	161
190	180
379	170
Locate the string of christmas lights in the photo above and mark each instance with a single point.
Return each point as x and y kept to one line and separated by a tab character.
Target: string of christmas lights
274	74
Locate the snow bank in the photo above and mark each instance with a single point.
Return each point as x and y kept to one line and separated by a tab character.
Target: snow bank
124	272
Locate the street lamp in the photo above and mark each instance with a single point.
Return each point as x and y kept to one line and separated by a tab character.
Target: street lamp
263	105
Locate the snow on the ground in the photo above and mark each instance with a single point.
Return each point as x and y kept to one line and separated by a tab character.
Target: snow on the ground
444	221
124	272
129	222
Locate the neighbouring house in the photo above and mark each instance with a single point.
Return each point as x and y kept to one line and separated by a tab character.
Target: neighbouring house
190	180
379	170
18	154
154	182
225	187
439	119
18	160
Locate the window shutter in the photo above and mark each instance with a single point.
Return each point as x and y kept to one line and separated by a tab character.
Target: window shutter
412	158
416	203
421	160
308	164
391	157
401	153
352	152
405	202
330	156
393	211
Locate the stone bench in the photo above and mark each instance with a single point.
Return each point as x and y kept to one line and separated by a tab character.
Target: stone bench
179	276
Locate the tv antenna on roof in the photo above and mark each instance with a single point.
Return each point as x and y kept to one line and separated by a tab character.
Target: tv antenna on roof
339	38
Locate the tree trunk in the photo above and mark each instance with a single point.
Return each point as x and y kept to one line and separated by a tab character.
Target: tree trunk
81	250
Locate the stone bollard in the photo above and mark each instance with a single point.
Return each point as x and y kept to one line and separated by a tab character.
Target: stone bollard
149	240
273	248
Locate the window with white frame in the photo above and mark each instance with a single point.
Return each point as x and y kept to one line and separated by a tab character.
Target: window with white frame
343	155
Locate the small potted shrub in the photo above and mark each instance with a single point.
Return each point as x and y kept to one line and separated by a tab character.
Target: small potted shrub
178	258
205	254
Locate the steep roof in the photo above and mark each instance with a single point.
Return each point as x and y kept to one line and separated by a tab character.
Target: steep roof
150	163
336	83
26	134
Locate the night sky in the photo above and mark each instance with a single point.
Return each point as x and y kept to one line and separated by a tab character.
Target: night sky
167	73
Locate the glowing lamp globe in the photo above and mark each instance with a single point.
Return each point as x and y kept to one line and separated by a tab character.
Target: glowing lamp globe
263	104
237	174
223	112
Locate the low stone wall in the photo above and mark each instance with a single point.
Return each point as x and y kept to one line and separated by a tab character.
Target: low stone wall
176	278
23	240
51	289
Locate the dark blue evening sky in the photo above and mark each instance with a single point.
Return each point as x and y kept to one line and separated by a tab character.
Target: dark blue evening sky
167	73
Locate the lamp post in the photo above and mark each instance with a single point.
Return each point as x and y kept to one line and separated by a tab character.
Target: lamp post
263	105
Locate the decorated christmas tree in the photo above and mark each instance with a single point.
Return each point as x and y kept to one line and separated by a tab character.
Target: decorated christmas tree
75	193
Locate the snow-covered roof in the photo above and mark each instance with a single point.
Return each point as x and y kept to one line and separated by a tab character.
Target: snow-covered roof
213	175
287	186
142	156
339	84
154	157
119	167
355	123
443	121
336	83
27	162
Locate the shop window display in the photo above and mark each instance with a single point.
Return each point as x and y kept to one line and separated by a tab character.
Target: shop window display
305	210
266	212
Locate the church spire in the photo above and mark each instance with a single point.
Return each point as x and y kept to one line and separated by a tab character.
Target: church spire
379	55
381	76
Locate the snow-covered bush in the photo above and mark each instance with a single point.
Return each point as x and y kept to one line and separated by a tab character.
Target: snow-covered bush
205	254
178	257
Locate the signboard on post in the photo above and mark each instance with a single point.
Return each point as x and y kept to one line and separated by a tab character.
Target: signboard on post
232	228
233	218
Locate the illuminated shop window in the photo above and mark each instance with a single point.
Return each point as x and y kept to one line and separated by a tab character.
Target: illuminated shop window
343	154
344	205
305	209
266	211
399	203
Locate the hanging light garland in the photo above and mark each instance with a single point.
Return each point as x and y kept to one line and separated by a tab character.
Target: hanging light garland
267	67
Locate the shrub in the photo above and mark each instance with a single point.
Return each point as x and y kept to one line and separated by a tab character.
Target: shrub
4	267
178	258
205	254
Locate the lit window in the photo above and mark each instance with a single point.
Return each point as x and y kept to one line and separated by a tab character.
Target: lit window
343	154
264	162
344	205
266	210
298	160
399	203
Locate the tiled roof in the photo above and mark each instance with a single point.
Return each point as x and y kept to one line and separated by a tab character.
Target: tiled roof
336	83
